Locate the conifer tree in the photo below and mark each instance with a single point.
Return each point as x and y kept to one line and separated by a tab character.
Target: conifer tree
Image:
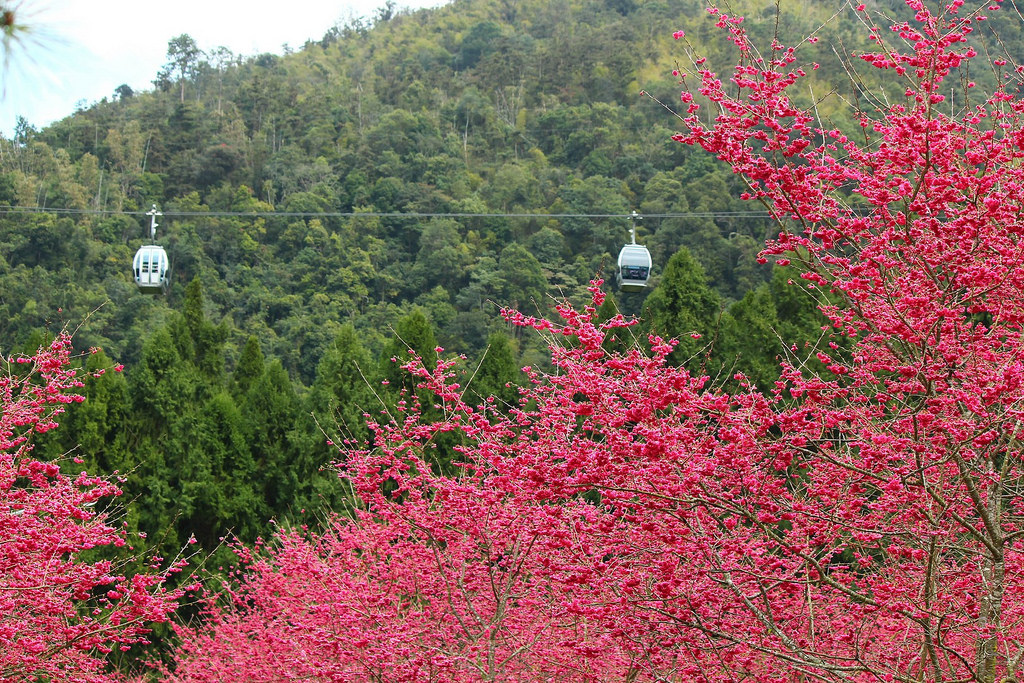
496	374
207	339
414	336
684	307
346	388
250	366
283	473
749	341
219	493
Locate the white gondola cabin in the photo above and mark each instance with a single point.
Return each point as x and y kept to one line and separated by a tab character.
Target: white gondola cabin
634	263
151	266
634	268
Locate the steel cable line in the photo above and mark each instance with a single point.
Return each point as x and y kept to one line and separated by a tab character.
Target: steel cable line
374	214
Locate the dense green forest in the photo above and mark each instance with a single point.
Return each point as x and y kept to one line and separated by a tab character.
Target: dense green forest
386	187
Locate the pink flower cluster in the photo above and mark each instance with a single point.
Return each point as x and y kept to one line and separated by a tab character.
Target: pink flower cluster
59	613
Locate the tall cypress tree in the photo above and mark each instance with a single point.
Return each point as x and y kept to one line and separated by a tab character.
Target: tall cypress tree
497	373
165	389
749	341
346	387
414	335
207	339
283	472
218	494
250	366
684	307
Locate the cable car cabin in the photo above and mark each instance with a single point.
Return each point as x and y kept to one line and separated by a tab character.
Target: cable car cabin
634	268
151	268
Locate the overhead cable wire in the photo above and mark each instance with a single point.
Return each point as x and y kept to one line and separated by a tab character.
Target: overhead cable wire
374	214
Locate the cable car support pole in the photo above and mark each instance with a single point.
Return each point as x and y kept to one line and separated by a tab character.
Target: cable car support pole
632	218
153	213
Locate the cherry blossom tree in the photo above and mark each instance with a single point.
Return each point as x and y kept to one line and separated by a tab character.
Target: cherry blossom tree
903	501
60	613
630	521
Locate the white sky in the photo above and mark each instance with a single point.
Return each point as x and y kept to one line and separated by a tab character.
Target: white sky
81	50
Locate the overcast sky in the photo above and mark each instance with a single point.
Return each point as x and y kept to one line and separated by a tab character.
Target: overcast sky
80	50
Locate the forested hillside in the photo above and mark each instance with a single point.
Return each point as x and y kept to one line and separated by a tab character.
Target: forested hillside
387	186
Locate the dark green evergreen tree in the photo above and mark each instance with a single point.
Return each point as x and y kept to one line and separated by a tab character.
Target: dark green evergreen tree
779	320
414	336
496	374
166	391
685	308
218	493
207	339
250	366
749	341
346	391
797	307
283	473
346	388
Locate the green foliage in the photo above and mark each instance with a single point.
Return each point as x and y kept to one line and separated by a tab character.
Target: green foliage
206	338
749	341
413	336
217	469
271	409
341	394
522	282
780	320
250	366
496	375
684	307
